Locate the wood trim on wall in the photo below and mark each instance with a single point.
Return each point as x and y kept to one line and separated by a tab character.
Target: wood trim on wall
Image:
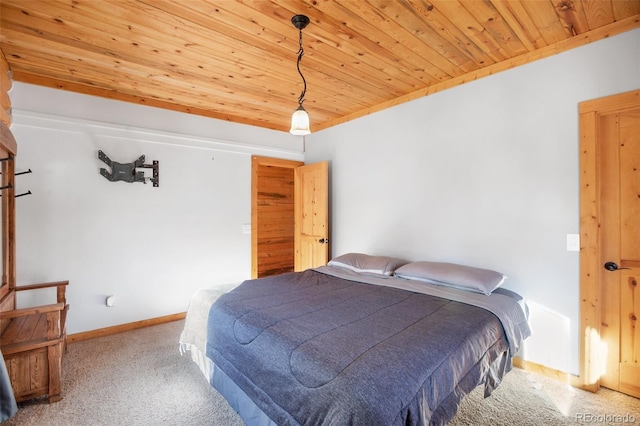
591	356
101	332
551	373
38	80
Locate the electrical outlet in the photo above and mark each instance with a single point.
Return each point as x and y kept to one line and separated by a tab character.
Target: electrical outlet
110	301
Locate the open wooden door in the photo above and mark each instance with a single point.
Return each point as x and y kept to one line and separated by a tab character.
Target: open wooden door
610	258
311	216
275	196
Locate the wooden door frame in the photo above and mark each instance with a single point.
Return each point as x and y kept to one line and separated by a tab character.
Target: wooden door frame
256	162
591	352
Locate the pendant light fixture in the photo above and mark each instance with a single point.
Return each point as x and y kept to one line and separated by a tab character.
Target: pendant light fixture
300	118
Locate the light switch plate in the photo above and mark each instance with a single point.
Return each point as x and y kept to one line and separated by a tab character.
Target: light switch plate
573	242
246	228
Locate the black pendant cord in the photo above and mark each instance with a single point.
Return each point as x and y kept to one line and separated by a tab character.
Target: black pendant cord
304	90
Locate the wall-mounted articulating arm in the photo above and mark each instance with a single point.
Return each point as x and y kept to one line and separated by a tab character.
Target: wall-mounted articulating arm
127	171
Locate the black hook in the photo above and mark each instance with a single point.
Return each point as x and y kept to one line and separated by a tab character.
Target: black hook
23	173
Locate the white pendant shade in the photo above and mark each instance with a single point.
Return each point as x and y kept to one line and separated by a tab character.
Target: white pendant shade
300	122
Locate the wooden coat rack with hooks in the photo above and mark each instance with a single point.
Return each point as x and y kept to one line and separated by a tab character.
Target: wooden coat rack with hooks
9	185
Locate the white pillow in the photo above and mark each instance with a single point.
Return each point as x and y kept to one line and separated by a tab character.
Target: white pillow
364	263
452	275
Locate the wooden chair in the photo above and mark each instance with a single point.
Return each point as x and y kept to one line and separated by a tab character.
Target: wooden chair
33	341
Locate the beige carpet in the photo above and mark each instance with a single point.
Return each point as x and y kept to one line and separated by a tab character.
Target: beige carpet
139	378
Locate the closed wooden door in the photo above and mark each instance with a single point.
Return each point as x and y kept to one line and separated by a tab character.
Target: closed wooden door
619	196
311	215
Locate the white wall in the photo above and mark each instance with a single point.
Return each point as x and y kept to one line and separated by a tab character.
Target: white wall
484	174
151	248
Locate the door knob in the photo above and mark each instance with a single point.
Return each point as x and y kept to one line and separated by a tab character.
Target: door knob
323	241
612	266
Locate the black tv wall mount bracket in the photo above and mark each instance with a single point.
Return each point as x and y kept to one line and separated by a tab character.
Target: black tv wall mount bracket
127	171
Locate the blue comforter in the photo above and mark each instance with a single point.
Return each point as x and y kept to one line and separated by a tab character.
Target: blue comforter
314	348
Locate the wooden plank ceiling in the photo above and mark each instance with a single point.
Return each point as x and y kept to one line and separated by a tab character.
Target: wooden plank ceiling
236	59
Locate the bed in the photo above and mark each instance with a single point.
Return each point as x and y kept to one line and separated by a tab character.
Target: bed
365	340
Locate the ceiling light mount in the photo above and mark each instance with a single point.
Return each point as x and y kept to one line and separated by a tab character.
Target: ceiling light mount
300	22
300	118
